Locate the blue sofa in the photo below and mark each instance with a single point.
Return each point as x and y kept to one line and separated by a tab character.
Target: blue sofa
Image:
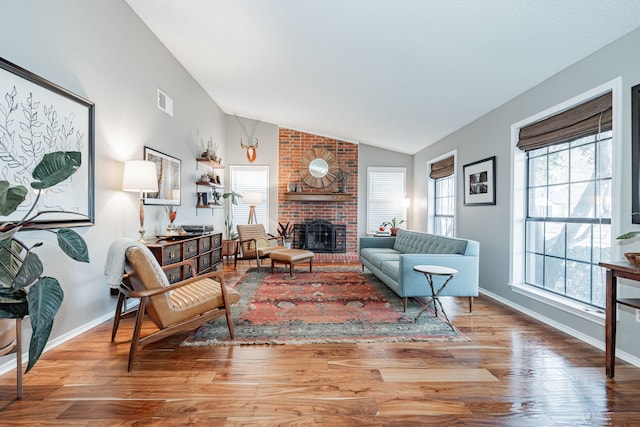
392	260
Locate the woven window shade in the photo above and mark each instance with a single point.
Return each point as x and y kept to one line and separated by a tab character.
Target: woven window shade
585	119
442	168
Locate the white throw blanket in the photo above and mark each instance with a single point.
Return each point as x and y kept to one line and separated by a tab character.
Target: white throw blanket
116	258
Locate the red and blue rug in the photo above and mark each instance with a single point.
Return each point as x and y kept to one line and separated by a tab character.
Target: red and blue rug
325	306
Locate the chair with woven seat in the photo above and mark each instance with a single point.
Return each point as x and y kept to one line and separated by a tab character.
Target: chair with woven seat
171	307
255	243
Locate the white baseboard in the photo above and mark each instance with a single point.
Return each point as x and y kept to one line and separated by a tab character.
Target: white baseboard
11	363
627	357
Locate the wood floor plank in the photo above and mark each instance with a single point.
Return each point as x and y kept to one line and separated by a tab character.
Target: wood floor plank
436	375
514	371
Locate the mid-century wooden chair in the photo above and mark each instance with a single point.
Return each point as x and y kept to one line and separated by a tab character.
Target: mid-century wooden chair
172	307
255	243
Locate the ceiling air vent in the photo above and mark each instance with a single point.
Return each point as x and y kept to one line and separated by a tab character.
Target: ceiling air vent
165	103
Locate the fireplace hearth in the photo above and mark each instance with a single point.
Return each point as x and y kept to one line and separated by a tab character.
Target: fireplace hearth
318	235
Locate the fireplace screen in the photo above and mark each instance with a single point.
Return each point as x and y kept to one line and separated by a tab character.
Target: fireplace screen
320	236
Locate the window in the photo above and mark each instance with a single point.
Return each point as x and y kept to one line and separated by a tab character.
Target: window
444	201
568	161
385	195
444	206
250	179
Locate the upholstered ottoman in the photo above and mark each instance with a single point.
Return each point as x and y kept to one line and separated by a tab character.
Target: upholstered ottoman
291	257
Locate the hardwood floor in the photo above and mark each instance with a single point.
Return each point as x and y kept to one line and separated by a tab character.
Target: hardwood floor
515	371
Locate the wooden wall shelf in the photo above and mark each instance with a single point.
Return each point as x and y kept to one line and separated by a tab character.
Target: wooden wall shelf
317	197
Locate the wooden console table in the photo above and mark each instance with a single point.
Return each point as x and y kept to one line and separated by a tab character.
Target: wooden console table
616	270
205	249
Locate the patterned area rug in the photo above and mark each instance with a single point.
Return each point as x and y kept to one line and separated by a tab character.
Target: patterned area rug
331	305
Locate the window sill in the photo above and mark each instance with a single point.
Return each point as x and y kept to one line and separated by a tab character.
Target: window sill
593	314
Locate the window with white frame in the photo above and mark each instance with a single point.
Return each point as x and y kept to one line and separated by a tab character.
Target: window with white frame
567	222
385	196
250	179
443	212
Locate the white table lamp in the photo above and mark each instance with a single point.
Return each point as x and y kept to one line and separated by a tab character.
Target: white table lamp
140	176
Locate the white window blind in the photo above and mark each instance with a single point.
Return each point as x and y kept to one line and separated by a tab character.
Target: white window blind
385	192
250	179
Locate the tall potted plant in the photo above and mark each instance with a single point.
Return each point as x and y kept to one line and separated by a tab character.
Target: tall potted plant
24	290
229	244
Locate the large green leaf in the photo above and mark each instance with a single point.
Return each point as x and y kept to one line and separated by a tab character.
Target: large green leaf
73	244
11	197
13	305
10	262
29	272
628	235
55	167
45	299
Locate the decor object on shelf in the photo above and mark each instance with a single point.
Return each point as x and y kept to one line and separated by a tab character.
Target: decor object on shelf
342	177
168	178
250	150
20	266
140	176
394	225
252	199
210	154
480	182
318	168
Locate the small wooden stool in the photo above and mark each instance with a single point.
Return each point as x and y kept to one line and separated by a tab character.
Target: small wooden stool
291	257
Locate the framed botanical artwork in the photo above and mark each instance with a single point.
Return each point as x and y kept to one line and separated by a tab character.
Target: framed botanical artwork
480	182
635	154
168	171
38	117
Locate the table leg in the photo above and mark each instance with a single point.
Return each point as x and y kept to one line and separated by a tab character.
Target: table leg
435	299
610	324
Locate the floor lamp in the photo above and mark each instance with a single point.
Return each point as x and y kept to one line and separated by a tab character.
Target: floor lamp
252	199
140	176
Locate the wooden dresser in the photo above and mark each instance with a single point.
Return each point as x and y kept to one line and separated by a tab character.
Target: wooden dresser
205	249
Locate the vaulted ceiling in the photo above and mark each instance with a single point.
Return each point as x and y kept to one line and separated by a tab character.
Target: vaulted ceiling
397	74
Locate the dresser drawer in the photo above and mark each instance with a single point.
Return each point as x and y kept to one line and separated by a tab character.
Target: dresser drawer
171	254
174	274
190	249
216	256
216	240
204	263
204	244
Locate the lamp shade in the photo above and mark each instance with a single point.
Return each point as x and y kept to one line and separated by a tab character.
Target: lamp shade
140	176
251	198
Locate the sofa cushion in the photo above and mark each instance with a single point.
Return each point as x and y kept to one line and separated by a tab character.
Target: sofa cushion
413	242
391	269
377	256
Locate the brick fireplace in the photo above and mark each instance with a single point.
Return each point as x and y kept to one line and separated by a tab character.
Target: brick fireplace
292	145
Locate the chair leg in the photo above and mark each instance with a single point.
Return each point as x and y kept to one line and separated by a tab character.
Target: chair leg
404	304
470	304
310	265
136	333
116	317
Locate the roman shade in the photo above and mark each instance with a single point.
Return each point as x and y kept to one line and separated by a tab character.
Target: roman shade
589	118
442	168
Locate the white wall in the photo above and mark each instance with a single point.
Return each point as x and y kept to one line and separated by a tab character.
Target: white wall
370	156
267	155
490	136
104	53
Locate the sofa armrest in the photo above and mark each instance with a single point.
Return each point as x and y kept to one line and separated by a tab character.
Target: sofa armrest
377	242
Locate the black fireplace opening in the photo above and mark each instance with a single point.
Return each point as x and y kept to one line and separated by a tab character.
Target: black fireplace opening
318	235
